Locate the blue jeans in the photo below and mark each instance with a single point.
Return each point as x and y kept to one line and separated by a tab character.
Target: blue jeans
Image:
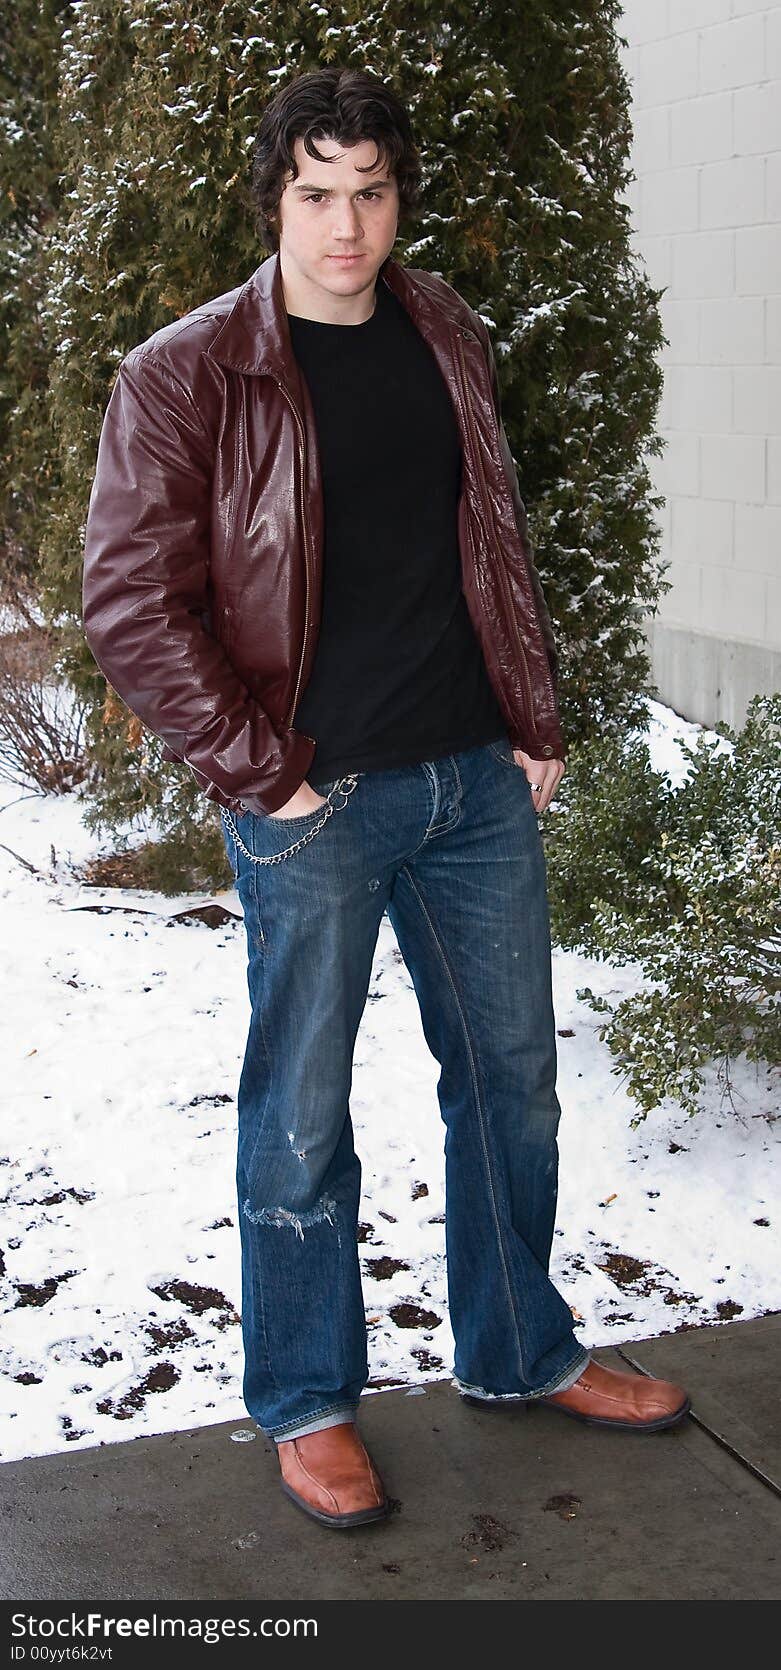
451	849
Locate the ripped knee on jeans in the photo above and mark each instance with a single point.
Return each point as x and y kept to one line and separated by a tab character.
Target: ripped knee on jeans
280	1217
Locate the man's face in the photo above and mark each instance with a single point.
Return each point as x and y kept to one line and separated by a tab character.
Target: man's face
336	226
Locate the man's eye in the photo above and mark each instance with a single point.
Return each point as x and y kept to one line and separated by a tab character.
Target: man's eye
316	196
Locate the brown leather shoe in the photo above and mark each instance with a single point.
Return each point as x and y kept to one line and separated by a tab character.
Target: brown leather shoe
331	1475
628	1402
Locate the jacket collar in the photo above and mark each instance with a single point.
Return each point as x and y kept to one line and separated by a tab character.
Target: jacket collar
255	336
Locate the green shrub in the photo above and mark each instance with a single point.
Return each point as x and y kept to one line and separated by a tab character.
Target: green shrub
685	881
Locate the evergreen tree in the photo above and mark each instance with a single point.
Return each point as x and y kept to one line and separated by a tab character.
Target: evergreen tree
523	126
30	197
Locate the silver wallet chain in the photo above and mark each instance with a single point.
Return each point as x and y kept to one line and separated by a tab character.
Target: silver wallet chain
351	782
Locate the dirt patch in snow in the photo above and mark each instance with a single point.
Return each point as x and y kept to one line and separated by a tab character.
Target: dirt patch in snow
408	1315
199	1299
381	1269
40	1294
159	1379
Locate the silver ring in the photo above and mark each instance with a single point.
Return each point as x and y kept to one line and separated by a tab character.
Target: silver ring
536	785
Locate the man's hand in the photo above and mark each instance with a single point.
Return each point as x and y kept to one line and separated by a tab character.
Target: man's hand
304	800
543	775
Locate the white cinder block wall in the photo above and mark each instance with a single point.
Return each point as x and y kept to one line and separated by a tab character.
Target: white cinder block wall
706	82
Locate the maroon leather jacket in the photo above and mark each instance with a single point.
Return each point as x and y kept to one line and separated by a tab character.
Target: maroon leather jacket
203	557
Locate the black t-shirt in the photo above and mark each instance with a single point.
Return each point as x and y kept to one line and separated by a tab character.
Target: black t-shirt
398	675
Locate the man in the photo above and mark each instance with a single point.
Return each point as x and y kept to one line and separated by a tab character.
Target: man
307	569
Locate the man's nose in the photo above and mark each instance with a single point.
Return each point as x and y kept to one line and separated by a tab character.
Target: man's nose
347	223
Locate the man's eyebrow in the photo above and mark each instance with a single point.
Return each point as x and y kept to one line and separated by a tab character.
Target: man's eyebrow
327	189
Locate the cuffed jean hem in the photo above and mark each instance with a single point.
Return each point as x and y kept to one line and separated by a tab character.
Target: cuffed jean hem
329	1417
560	1384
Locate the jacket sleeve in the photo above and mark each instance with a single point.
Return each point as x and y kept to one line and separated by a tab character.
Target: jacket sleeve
146	596
520	511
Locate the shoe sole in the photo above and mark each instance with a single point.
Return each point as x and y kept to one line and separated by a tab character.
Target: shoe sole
661	1425
339	1521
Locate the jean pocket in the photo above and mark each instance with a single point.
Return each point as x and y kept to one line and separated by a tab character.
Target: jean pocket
502	750
303	817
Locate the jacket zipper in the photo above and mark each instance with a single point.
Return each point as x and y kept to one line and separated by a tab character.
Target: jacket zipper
228	610
489	523
304	525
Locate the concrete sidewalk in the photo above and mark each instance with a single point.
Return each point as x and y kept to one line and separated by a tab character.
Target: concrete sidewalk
496	1504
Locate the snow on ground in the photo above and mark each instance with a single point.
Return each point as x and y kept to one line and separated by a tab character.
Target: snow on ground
124	1033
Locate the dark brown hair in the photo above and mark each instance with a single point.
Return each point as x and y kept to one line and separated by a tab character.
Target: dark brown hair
334	103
